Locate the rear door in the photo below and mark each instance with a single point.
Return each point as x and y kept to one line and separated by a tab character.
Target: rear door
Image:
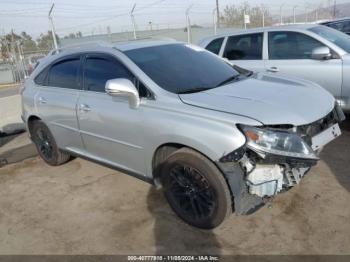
290	53
58	90
246	51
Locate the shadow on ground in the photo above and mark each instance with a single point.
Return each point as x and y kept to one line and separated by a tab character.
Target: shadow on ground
6	138
336	155
177	237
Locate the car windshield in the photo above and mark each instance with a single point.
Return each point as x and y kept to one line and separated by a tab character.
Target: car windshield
338	38
180	68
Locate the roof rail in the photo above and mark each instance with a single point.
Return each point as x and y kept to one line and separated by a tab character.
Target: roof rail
105	44
80	45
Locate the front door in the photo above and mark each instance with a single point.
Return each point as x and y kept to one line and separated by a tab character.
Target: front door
110	129
290	54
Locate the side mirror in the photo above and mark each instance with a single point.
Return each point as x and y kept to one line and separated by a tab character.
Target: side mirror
321	53
123	87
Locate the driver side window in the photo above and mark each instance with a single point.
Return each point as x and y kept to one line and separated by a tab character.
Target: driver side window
98	70
291	45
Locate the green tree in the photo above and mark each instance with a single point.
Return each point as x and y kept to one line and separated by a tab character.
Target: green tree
29	45
45	41
233	15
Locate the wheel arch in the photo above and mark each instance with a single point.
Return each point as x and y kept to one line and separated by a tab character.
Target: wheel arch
31	119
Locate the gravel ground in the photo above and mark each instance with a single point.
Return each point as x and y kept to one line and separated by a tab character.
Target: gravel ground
84	208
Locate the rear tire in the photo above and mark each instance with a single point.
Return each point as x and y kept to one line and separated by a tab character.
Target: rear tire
46	144
196	189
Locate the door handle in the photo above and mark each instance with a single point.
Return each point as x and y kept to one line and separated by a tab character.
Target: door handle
273	69
84	108
42	100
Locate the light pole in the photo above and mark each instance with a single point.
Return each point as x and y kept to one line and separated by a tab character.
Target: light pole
133	20
306	15
281	16
263	16
294	19
214	20
53	27
188	22
217	13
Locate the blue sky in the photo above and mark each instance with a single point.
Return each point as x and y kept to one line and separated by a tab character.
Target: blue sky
93	16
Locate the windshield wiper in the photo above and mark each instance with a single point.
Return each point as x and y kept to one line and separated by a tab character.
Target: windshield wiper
194	90
228	80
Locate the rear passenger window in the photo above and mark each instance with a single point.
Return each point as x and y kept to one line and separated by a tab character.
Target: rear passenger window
99	70
244	47
215	45
65	74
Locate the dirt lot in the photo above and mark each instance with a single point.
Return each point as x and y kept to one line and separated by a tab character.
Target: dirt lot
83	208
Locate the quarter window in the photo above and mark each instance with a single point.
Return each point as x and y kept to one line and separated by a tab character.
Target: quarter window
40	79
65	74
291	45
215	45
244	47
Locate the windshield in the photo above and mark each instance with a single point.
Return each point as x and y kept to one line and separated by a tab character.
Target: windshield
336	37
180	68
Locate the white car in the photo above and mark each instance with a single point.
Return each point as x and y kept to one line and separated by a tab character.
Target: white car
312	52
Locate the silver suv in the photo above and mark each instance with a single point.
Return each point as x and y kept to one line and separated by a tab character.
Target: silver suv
217	138
314	52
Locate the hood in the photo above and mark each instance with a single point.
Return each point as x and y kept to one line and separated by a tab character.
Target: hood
269	99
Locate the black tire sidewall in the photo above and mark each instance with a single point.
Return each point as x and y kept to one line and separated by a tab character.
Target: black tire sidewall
55	151
215	179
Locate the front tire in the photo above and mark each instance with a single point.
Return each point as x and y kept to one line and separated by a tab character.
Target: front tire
196	189
46	145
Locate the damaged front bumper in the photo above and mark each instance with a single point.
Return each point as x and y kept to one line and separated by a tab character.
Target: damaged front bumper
255	176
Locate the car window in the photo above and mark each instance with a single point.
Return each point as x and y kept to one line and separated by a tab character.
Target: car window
215	45
97	71
65	74
291	45
336	37
343	26
40	79
187	67
244	47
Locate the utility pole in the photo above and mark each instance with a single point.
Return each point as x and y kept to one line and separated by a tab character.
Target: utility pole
53	27
335	9
133	20
281	16
263	17
217	14
306	15
188	22
214	21
294	18
21	62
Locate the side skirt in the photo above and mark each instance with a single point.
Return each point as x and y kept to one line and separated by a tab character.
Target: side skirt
109	165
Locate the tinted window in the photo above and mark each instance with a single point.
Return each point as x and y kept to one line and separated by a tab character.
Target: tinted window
291	45
40	79
343	26
178	68
215	46
65	74
247	47
98	71
338	38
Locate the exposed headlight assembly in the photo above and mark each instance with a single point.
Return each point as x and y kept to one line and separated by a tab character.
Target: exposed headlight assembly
277	142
